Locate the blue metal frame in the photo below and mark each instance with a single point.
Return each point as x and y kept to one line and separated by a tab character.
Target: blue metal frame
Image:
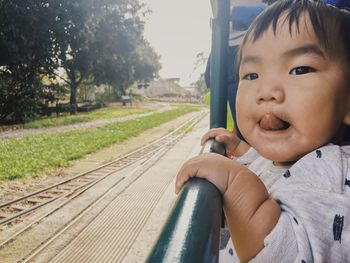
218	63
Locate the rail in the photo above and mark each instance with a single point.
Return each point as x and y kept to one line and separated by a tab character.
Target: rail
142	154
192	232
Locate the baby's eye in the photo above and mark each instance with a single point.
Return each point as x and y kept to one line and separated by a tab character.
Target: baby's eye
251	76
301	70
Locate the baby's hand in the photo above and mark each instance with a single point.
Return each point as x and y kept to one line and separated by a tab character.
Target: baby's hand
249	210
222	135
234	145
210	166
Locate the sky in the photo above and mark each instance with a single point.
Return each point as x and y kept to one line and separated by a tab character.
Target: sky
178	30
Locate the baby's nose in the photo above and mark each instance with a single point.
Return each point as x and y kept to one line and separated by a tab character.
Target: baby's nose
269	92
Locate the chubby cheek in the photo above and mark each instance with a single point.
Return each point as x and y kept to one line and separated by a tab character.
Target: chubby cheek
244	114
320	120
244	101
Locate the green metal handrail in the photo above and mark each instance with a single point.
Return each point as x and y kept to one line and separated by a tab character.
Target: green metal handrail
192	232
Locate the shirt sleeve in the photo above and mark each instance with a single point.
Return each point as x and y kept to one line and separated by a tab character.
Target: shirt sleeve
280	245
247	158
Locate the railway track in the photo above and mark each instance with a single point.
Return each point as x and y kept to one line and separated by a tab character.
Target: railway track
58	195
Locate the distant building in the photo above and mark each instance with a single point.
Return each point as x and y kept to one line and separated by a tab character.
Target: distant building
173	80
169	87
191	91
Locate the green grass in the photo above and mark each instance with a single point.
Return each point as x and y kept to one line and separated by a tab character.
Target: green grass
207	99
29	156
85	117
229	120
230	124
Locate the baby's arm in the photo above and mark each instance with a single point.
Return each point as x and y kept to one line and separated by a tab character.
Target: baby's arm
233	144
250	212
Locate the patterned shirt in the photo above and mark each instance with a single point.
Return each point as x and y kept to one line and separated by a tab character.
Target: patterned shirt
314	196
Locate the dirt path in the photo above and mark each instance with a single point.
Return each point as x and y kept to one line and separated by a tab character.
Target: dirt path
78	126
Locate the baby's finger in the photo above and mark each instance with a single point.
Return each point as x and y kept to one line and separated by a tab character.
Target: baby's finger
180	182
221	138
224	138
181	179
205	137
187	171
178	186
211	134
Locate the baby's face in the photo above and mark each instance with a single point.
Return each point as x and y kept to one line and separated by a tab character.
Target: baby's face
293	96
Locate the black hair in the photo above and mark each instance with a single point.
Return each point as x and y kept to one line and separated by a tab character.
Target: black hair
330	24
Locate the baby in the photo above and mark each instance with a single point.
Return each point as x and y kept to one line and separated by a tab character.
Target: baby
286	194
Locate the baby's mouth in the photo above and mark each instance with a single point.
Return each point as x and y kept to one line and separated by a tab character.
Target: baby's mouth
270	122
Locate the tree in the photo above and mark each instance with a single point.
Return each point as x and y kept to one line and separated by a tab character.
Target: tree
147	65
199	85
93	41
25	48
201	59
98	42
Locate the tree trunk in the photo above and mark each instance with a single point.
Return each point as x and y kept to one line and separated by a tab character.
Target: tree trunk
73	98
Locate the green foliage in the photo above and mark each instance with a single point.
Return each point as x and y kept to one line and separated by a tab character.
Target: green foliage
95	115
207	99
28	156
147	62
25	49
92	41
102	43
230	123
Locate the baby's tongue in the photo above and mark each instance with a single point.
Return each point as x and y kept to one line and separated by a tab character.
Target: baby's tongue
271	122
